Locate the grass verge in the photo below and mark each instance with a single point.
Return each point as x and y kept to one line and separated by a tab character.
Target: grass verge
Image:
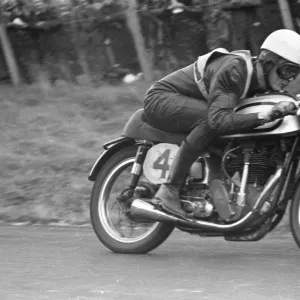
50	139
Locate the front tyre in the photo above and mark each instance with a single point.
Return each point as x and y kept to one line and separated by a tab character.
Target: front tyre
295	216
112	225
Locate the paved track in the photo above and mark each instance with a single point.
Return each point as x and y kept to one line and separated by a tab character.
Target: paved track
69	263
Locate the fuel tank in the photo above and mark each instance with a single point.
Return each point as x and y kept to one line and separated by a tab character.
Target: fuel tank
287	126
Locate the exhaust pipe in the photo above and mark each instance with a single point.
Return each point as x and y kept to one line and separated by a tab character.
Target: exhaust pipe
145	210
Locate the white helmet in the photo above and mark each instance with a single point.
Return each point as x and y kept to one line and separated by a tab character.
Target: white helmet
284	43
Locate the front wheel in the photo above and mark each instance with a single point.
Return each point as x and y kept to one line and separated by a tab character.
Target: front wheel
295	216
112	224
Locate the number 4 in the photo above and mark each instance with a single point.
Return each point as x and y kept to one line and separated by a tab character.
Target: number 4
162	163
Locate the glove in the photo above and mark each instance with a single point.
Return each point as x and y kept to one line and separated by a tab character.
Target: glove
278	111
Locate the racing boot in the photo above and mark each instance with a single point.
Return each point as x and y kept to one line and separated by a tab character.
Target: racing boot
168	192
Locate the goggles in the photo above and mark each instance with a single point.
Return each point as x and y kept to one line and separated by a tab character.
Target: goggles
288	71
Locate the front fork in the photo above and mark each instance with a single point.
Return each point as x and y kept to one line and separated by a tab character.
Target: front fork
136	171
286	188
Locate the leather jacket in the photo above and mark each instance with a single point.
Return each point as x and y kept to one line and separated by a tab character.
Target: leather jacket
224	78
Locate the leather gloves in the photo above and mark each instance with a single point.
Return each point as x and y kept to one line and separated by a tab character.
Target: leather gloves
278	111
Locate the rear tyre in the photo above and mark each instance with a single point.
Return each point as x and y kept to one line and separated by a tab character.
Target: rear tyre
113	227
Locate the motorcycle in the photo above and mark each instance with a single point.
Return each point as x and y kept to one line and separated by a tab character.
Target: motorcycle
239	189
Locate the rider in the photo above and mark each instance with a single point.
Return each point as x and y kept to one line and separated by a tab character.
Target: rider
199	100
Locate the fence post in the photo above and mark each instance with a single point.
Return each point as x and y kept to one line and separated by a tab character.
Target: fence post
8	53
134	27
286	14
77	38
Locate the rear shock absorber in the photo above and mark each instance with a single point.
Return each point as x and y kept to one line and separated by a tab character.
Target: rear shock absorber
137	168
136	171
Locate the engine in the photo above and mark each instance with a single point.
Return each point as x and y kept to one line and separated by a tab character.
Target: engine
262	165
263	162
198	199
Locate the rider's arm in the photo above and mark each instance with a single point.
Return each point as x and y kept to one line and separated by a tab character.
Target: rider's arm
226	88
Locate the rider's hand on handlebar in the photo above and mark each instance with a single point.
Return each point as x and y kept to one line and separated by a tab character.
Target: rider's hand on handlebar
278	111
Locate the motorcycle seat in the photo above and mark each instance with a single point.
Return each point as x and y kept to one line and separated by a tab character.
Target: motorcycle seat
137	128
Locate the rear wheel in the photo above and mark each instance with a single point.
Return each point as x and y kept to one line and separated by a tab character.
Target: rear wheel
111	222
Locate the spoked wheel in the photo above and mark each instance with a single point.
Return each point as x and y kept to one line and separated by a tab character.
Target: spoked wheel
295	216
111	218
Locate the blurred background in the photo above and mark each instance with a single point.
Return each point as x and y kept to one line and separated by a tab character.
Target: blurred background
101	41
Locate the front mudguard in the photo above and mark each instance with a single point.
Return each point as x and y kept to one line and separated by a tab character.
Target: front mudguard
110	149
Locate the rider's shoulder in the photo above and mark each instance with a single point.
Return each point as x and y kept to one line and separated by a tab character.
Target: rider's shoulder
233	69
234	60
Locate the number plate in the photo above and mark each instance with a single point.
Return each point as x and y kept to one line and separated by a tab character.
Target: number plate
158	162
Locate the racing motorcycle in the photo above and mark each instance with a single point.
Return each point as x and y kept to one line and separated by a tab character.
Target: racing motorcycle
239	189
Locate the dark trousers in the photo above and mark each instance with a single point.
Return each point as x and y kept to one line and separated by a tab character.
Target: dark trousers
174	112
